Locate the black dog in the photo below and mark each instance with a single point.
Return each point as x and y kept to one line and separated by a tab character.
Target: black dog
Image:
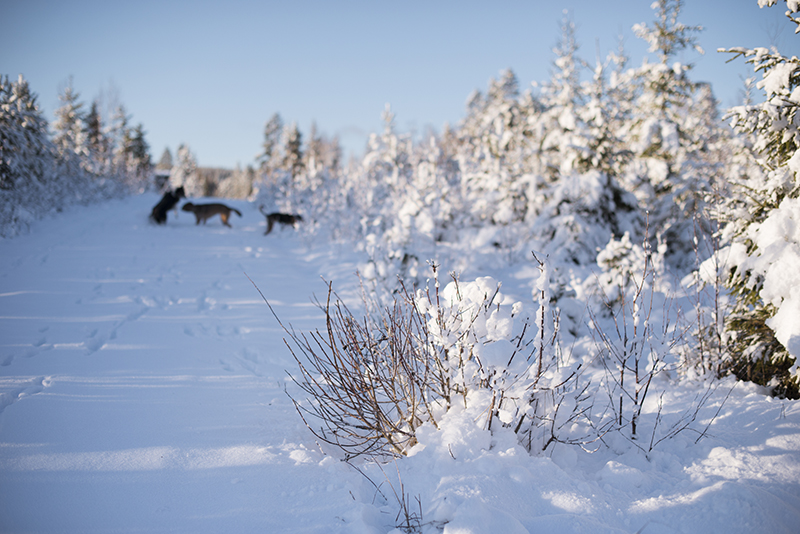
168	201
282	218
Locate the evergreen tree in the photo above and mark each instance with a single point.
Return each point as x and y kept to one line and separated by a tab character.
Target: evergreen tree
313	157
69	132
492	154
97	144
27	158
332	155
562	99
762	256
269	157
292	149
666	150
26	152
184	173
581	203
165	162
118	133
138	152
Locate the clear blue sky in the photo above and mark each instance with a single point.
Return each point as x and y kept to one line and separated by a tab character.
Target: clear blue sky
210	74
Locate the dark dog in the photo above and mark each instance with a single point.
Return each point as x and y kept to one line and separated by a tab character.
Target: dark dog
282	218
168	202
204	212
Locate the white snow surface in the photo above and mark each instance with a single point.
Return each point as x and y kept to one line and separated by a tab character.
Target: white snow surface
143	389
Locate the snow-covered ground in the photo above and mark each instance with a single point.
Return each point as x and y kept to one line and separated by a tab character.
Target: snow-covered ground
142	389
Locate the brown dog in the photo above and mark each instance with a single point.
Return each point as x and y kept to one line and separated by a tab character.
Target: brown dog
203	212
281	218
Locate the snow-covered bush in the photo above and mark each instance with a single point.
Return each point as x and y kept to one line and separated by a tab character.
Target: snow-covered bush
373	382
635	338
440	358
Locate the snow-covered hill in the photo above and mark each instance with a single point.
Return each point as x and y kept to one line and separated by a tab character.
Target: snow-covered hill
142	389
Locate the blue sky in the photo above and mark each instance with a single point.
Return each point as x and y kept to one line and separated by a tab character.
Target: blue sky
210	74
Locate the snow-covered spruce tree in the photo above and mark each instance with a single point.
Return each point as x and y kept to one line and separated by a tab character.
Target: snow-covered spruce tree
281	163
763	256
127	152
269	162
416	205
27	151
238	185
72	146
492	150
425	209
138	167
607	113
184	173
96	142
292	144
162	169
116	131
41	173
562	99
311	172
378	191
320	155
27	157
584	205
165	162
303	178
669	151
269	157
315	189
69	132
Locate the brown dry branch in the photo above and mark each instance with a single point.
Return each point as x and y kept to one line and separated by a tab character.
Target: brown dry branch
369	383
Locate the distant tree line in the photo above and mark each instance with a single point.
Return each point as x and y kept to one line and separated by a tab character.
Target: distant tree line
87	157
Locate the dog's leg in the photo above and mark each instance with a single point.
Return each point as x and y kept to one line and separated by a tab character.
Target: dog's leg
269	225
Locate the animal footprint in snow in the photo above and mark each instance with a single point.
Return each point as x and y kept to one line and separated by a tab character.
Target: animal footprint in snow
135	315
224	331
251	355
206	303
196	330
93	344
14	389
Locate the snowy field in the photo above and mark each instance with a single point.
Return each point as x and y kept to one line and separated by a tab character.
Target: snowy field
142	389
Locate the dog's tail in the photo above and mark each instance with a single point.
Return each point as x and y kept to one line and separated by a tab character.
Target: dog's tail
237	212
261	209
